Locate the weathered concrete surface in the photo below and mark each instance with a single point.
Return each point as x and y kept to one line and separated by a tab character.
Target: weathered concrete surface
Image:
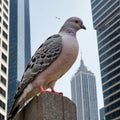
48	106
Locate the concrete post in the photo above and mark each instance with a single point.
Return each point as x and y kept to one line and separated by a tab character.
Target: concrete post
48	106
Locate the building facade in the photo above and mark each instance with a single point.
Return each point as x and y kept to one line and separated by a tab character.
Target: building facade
106	21
83	87
19	50
102	114
4	56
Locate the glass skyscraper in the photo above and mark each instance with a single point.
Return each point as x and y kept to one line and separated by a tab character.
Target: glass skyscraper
83	88
106	21
19	50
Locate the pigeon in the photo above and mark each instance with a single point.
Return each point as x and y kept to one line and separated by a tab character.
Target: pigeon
49	63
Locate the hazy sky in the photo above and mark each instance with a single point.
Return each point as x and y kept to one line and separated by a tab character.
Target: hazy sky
44	23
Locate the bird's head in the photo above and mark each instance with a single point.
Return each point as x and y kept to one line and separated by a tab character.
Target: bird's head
73	24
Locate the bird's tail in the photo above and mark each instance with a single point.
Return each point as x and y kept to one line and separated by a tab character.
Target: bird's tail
13	111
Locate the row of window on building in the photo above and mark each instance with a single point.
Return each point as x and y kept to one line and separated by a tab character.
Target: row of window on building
4	13
3	94
5	10
5	1
5	35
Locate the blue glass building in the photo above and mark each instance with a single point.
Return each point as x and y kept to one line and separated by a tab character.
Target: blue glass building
106	21
19	50
83	87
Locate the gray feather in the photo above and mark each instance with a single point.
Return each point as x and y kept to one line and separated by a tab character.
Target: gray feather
45	55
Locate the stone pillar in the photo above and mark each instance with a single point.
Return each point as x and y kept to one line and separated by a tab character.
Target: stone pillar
48	106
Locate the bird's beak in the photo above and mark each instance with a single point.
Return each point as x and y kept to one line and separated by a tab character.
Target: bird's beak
83	27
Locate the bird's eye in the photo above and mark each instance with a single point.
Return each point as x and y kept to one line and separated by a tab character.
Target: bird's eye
76	21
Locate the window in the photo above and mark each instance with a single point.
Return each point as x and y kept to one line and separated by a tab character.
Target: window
0	19
2	92
105	14
110	60
113	115
4	57
112	98
6	1
110	68
112	107
2	117
5	34
2	104
102	36
110	75
3	68
3	80
111	82
112	90
108	46
5	16
109	52
5	25
5	8
4	45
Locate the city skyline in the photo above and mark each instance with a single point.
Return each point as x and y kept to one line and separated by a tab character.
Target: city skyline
39	34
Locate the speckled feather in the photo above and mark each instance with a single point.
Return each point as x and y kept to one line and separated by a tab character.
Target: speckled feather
42	58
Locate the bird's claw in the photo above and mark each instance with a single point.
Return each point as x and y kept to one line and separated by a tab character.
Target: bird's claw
52	90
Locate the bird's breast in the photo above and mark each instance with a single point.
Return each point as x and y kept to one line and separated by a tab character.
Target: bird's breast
61	65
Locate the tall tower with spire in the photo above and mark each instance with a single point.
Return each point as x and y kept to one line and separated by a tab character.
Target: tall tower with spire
83	87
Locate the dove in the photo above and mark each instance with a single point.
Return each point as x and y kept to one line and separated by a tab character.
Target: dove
49	63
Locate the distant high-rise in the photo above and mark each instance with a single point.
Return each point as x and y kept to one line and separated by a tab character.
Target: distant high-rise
102	114
106	21
83	87
19	50
4	56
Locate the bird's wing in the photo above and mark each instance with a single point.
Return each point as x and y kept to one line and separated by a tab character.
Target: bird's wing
46	54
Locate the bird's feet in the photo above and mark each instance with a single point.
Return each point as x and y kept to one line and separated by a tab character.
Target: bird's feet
52	90
43	90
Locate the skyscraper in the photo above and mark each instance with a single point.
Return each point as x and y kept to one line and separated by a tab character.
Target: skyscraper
83	87
106	21
20	50
4	56
102	114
